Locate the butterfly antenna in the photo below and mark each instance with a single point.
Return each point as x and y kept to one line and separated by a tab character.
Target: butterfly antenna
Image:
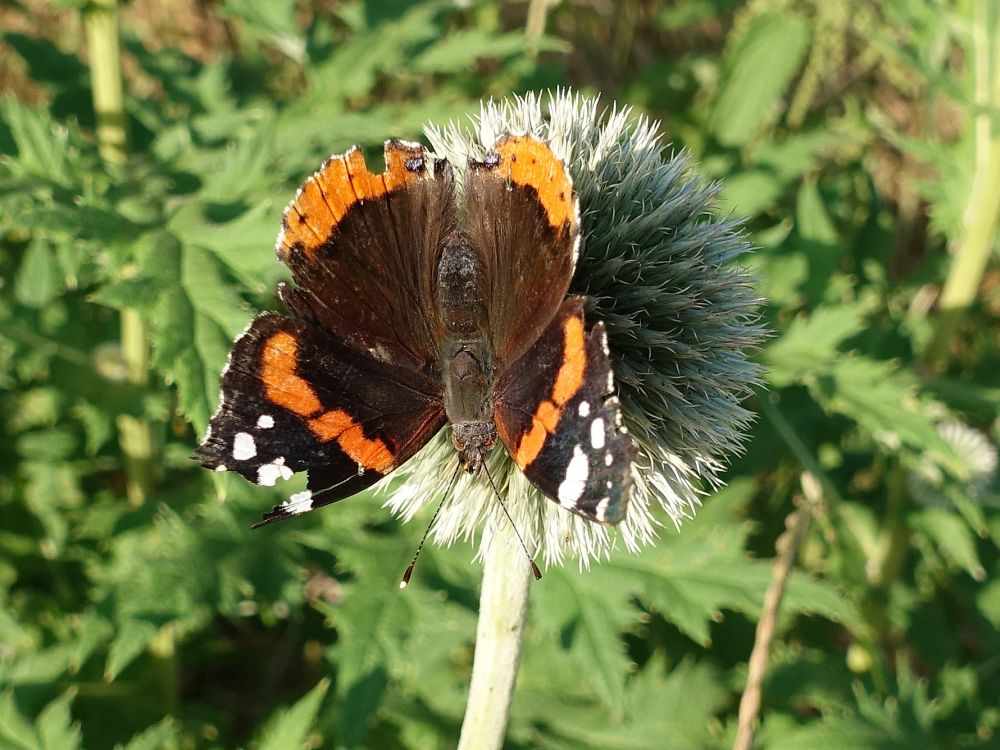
404	582
534	568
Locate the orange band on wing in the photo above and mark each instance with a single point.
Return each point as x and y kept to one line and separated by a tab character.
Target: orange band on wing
338	425
327	195
569	381
530	162
282	386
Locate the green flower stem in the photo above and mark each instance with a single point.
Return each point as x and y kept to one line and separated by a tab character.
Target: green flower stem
135	434
104	50
503	605
983	208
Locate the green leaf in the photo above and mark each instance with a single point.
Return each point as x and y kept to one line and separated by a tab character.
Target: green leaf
41	145
757	71
664	708
196	322
375	622
16	731
811	343
38	280
245	168
273	20
194	314
244	244
161	736
291	728
883	398
55	725
460	50
591	609
131	639
952	537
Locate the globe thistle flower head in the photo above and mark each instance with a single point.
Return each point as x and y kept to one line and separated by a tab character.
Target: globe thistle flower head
658	268
928	484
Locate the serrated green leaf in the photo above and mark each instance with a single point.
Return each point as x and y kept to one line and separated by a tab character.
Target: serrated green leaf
374	622
882	398
593	611
952	537
244	167
757	72
91	633
161	736
56	728
194	314
16	731
130	640
41	146
669	709
810	343
291	727
244	244
195	324
353	67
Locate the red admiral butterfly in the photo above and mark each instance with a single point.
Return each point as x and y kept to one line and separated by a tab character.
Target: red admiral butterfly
413	305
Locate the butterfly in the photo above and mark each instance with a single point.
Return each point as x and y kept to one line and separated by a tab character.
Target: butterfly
417	303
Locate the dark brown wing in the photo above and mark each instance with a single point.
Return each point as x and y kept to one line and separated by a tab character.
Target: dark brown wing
556	415
522	219
295	399
363	251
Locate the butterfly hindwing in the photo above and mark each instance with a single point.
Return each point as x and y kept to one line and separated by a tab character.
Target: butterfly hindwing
558	417
295	399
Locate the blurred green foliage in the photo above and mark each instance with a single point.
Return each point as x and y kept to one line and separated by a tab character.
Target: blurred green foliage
850	135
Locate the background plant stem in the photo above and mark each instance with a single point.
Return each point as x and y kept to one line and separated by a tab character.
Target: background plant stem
787	548
503	605
972	249
135	434
104	49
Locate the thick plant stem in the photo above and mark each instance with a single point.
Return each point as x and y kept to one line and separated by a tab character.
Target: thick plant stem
104	50
503	605
983	208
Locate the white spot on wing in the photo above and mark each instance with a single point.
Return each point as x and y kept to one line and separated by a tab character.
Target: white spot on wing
571	488
300	502
268	474
244	447
221	467
584	409
608	459
265	421
597	433
601	512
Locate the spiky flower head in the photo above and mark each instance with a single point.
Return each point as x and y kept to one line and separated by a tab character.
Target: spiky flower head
658	268
973	478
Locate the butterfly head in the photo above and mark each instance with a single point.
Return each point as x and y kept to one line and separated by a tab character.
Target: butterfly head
473	441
